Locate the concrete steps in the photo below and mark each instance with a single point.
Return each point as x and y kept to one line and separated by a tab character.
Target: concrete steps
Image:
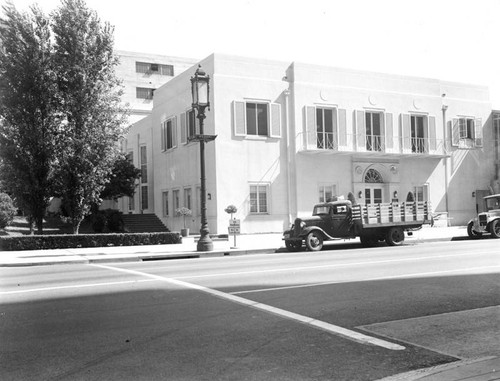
143	223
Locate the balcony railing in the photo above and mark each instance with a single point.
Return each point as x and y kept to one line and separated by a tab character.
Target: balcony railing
378	144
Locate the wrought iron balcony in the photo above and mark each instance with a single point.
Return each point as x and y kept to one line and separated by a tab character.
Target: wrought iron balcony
329	142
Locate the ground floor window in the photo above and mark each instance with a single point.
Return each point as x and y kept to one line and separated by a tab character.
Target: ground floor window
326	192
259	199
187	198
166	210
175	199
420	193
144	197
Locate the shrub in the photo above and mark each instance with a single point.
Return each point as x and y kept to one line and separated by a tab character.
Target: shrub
184	212
110	218
67	241
7	210
115	221
98	222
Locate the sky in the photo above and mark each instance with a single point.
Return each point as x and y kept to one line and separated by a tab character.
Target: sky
452	40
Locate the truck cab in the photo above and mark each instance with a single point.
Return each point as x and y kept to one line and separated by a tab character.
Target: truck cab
488	221
330	220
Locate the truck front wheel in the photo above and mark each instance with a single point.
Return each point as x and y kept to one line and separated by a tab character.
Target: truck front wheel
314	241
495	228
471	232
395	236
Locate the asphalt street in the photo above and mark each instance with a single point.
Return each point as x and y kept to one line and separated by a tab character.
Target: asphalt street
343	314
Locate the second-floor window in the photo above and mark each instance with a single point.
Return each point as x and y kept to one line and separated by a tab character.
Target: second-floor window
466	128
374	136
467	132
168	134
257	119
418	138
326	128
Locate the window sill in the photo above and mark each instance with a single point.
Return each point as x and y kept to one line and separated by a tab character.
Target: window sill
258	137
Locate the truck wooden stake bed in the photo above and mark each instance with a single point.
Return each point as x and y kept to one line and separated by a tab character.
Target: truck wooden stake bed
371	223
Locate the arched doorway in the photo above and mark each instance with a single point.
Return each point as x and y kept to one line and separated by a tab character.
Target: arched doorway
410	197
374	187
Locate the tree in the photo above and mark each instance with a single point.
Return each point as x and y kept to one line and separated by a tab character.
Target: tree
7	210
90	98
122	180
29	118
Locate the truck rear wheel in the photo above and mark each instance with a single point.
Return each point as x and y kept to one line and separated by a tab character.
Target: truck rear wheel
495	228
314	241
395	236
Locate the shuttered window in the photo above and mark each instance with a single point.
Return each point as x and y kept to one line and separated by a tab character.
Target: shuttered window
326	127
169	134
189	126
257	119
466	132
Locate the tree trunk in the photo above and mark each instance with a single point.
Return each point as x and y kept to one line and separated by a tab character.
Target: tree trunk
39	225
31	224
76	226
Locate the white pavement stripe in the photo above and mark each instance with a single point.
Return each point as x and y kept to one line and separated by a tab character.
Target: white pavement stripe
73	286
336	330
468	269
305	268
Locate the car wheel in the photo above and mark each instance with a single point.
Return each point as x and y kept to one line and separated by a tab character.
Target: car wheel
314	241
293	245
495	228
395	236
471	232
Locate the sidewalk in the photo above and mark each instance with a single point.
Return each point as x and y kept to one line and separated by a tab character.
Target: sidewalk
471	370
245	244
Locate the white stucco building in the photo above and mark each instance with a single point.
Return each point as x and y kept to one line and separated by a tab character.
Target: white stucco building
290	135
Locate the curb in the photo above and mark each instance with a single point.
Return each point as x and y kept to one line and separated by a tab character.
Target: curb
124	257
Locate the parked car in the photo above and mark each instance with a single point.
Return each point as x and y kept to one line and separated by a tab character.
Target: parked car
486	222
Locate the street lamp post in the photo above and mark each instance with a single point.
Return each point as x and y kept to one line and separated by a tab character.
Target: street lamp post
200	89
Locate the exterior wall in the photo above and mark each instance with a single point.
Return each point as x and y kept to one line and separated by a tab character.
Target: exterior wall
243	161
292	164
140	135
401	169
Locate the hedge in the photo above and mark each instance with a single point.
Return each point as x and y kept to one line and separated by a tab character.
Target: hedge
71	241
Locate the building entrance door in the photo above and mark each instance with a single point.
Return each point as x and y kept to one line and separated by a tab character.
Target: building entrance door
373	195
374	187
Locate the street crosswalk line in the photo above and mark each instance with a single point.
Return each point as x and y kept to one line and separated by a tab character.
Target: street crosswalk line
331	328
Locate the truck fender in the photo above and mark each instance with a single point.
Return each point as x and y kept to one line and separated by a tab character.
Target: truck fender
309	229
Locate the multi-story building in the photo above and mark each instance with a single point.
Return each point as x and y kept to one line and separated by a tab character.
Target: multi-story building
142	74
290	135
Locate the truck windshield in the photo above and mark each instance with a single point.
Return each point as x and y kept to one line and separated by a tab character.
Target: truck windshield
492	203
321	210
